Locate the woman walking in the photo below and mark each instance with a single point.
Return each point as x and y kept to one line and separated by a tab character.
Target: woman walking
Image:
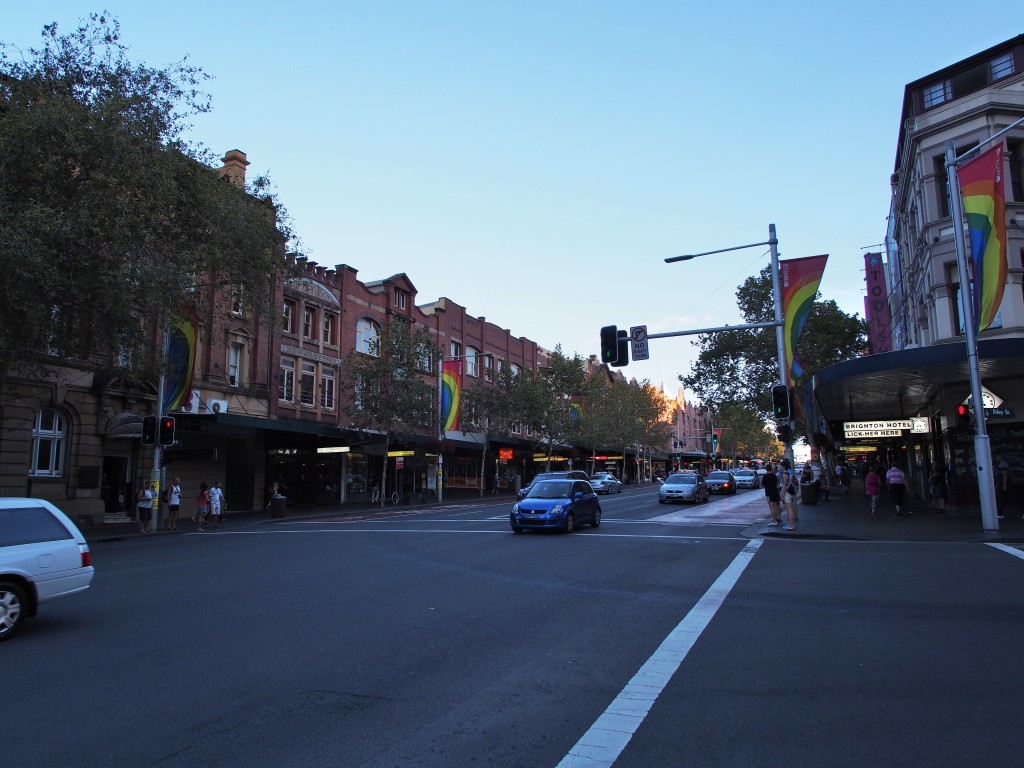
771	492
789	491
202	506
873	487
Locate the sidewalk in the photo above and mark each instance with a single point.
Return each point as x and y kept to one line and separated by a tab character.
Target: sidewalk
848	517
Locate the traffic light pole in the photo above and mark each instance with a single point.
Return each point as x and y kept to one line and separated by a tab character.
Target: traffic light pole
780	342
155	477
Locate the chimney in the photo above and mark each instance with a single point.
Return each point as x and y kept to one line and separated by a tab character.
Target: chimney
234	167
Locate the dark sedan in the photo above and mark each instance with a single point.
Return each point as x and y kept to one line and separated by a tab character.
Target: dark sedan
721	482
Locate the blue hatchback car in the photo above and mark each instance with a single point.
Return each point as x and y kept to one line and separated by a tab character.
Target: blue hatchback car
557	504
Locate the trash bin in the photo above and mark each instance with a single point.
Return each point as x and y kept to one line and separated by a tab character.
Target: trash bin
277	505
808	493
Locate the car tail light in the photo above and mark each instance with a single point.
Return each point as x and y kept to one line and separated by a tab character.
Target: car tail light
86	555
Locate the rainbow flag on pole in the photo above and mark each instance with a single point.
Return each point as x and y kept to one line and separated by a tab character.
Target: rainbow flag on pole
181	360
981	185
800	279
451	393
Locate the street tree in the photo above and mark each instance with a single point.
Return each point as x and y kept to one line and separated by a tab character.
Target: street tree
109	217
390	387
741	366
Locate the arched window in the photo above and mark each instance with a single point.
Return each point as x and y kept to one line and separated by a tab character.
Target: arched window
48	438
368	337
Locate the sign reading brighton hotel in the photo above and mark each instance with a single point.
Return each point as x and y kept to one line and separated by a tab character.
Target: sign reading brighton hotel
885	427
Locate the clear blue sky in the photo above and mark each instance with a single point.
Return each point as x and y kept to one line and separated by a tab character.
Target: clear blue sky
537	161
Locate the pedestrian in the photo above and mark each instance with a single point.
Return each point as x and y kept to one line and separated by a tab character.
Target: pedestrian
217	503
873	487
843	477
771	492
497	480
173	500
896	479
202	506
789	491
144	506
939	489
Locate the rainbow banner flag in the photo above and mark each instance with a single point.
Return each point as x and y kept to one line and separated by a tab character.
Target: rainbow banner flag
451	393
181	360
981	185
800	279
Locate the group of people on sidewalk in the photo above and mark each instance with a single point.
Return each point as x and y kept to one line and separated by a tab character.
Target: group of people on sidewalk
781	488
210	505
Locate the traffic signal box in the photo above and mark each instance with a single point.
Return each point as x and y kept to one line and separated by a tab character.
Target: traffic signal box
167	431
149	430
780	402
614	346
963	416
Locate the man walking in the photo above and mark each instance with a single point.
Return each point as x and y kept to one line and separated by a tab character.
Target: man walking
897	481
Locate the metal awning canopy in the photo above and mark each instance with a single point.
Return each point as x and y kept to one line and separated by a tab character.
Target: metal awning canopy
909	382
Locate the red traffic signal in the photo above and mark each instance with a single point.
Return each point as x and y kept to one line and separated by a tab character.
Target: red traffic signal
167	430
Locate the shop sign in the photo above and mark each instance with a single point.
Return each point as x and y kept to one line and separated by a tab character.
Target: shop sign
860	434
505	454
393	454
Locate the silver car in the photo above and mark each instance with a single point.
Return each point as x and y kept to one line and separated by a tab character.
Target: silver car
43	556
605	482
746	478
688	486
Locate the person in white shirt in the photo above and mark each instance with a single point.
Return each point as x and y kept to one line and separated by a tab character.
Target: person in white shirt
217	503
173	504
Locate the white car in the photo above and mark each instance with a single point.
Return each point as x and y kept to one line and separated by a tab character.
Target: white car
746	478
605	482
43	557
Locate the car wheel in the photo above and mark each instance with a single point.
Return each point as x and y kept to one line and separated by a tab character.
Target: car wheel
620	489
570	523
596	522
12	608
661	501
516	529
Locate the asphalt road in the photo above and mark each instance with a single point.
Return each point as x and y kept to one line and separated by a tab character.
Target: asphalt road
439	638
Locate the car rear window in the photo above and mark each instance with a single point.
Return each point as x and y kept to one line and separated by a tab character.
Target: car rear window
551	489
683	479
29	525
719	475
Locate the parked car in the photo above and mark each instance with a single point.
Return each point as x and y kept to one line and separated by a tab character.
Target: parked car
43	557
572	474
721	481
605	482
747	478
687	486
557	504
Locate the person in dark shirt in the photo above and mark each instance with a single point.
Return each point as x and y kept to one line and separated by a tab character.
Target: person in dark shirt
771	491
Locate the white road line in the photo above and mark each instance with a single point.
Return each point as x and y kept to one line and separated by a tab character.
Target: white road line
601	746
1009	550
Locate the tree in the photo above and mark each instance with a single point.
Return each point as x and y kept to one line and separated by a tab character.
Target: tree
489	407
546	399
391	387
742	366
107	215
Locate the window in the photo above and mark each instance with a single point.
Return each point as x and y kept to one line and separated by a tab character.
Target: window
327	389
471	362
288	315
330	326
307	383
286	380
936	94
309	322
234	364
368	337
48	438
516	370
1001	66
237	299
489	366
399	298
456	349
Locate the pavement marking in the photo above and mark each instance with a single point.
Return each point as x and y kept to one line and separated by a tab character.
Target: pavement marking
1008	550
602	744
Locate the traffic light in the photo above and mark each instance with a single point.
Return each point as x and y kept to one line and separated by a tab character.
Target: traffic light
149	430
780	402
714	441
614	346
623	349
785	433
167	430
963	416
609	344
